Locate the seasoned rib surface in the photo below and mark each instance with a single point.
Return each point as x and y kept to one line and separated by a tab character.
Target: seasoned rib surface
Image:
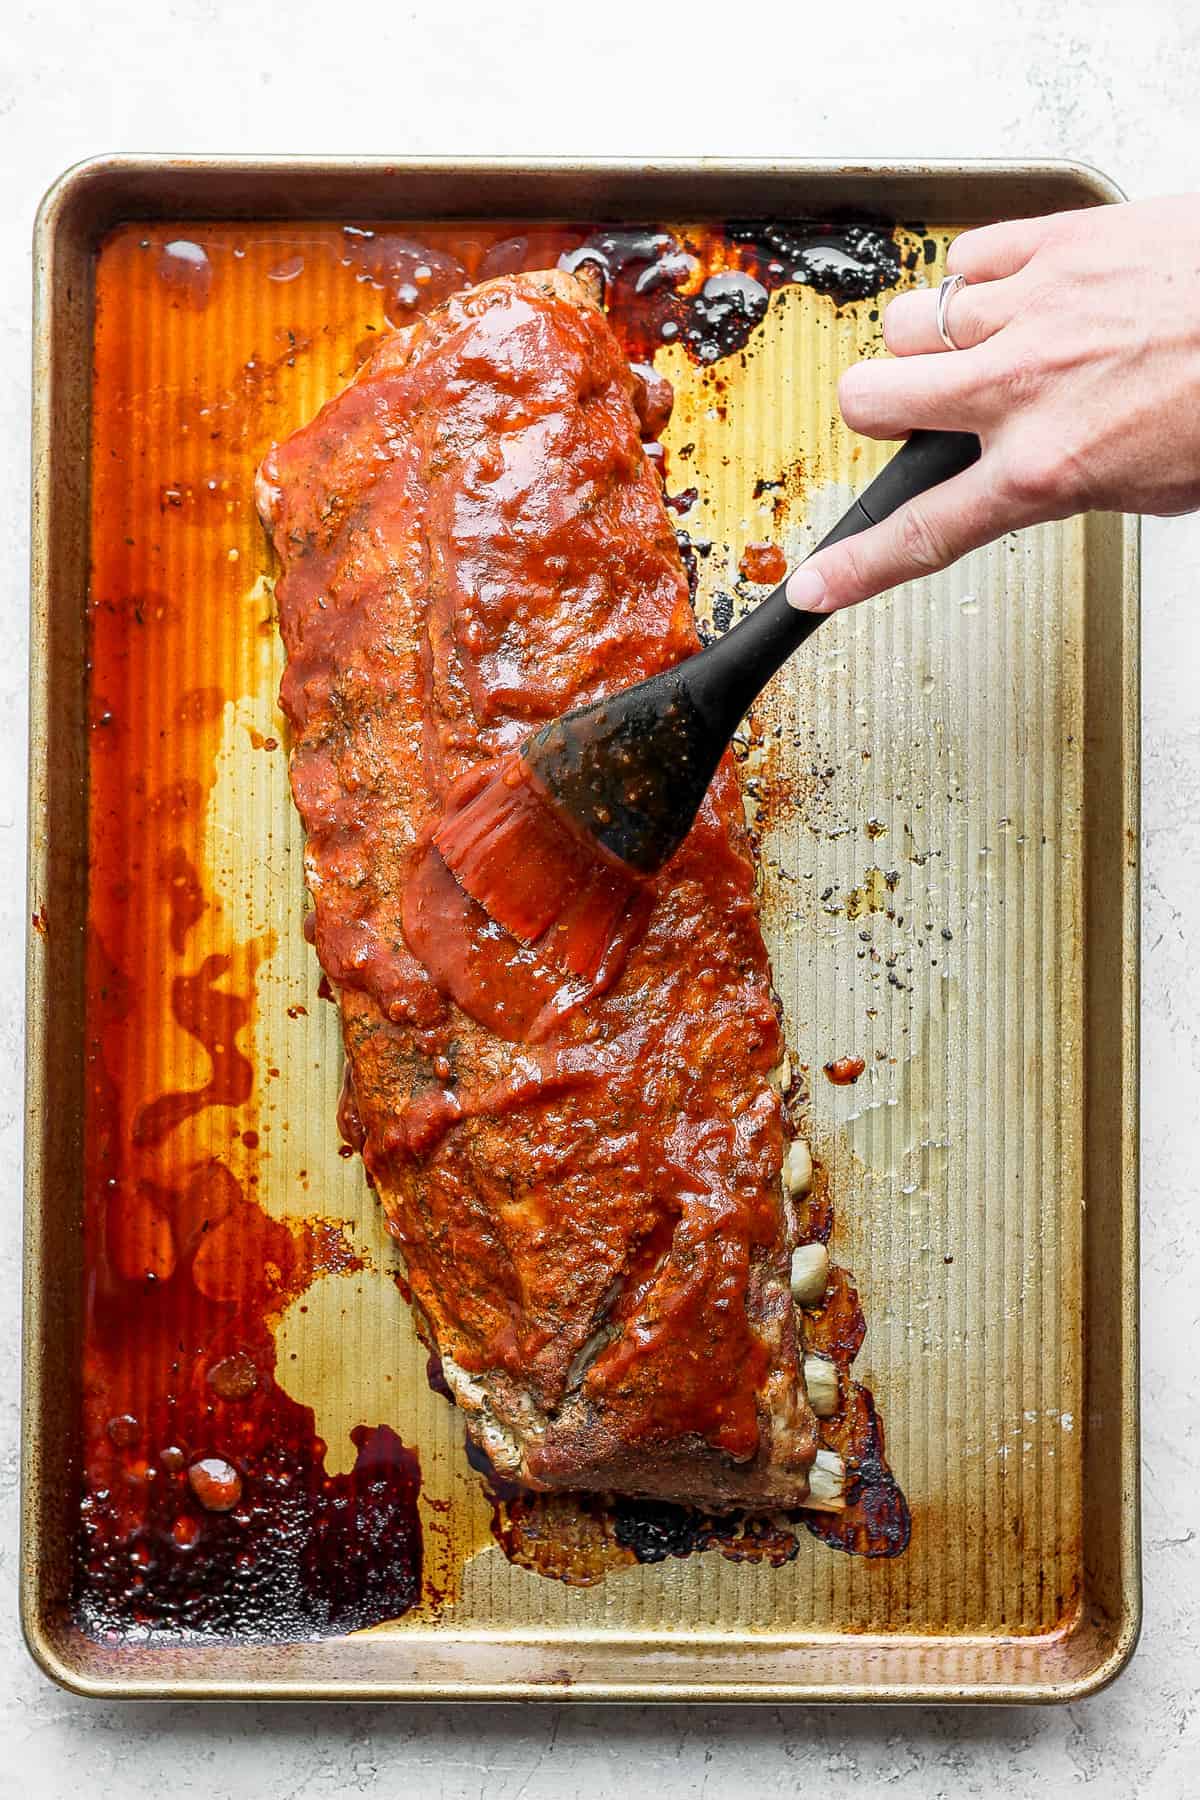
594	1229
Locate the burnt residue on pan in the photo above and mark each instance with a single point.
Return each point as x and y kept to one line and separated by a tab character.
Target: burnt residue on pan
205	1504
708	290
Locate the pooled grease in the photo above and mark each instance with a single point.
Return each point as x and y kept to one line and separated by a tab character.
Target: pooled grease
205	1509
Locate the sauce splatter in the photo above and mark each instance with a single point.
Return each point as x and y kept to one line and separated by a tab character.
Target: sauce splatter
844	1071
763	563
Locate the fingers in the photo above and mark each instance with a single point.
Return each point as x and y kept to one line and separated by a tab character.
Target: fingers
885	399
990	252
926	535
974	314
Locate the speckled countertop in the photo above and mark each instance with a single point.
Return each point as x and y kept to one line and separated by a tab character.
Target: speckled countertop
1115	85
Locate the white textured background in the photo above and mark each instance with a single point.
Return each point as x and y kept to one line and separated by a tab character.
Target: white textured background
1113	83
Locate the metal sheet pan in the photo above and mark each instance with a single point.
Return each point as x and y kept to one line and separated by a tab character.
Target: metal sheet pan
982	738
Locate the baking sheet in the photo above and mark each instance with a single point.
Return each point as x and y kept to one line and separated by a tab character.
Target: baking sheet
958	759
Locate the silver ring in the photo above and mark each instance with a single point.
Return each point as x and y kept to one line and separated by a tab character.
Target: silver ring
946	292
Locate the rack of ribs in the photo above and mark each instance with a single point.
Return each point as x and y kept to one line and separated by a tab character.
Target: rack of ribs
591	1197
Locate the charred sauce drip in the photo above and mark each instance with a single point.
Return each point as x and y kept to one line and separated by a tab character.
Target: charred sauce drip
709	291
581	1538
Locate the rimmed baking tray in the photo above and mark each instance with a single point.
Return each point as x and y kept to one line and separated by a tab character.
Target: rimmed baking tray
950	886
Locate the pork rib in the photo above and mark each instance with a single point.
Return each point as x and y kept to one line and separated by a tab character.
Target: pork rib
594	1226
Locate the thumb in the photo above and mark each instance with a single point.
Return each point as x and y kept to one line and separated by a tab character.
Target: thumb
921	537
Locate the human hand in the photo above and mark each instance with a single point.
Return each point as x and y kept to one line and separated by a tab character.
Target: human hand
1079	372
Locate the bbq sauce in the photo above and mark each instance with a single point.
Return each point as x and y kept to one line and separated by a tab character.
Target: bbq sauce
844	1071
204	1503
388	684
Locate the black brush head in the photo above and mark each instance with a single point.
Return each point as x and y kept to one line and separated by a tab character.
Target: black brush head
631	770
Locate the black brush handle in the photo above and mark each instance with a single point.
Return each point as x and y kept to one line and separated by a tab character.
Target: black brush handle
632	768
725	679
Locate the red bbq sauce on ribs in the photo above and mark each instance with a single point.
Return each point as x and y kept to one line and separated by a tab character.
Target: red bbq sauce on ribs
179	1352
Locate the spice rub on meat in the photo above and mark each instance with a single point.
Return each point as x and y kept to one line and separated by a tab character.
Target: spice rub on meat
592	1216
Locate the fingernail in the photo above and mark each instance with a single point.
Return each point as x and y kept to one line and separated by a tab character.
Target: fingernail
806	590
